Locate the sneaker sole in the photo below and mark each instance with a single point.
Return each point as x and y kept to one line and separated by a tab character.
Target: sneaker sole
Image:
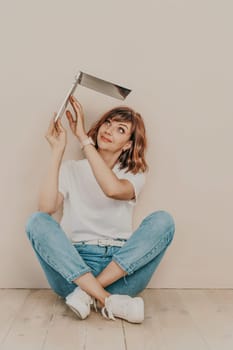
139	313
76	312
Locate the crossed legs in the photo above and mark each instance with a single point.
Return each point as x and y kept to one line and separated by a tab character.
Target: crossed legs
62	263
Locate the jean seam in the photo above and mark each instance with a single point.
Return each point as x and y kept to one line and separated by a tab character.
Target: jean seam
69	278
131	268
122	265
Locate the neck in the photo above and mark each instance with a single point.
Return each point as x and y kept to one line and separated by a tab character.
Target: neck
109	157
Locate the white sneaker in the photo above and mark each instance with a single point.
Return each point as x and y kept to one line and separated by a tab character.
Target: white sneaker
124	306
80	302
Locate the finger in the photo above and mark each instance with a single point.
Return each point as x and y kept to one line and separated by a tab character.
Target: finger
61	127
59	123
71	122
51	126
76	102
75	106
57	127
70	117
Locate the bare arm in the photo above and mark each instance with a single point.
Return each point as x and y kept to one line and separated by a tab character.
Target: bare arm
110	184
49	197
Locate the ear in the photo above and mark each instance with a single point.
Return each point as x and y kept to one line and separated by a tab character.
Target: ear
127	146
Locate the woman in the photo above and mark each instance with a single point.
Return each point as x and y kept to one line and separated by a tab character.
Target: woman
103	263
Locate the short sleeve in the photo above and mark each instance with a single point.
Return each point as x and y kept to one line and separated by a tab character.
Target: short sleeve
63	178
138	180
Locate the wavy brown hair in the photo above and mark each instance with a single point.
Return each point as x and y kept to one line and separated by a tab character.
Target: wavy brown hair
133	159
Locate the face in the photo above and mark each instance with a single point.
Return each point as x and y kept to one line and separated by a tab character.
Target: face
114	135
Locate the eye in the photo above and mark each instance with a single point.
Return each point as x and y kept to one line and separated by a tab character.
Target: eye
123	131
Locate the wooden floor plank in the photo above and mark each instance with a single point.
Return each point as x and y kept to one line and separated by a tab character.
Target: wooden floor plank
82	334
147	335
29	328
177	326
65	331
174	319
11	300
212	311
220	296
104	334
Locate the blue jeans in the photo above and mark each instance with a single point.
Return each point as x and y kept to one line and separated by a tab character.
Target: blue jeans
63	261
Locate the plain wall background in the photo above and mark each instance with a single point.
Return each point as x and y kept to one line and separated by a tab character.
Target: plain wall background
177	58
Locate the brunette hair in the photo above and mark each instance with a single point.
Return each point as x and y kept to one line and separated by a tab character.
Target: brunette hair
133	159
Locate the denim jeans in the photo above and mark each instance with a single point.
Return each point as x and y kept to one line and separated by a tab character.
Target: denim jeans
63	261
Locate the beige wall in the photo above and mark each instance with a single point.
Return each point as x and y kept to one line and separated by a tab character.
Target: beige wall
177	58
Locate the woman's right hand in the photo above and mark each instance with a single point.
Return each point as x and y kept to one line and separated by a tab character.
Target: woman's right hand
56	135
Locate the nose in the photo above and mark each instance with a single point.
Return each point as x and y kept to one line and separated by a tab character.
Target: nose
108	129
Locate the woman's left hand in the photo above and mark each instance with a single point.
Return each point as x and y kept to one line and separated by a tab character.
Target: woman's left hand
77	123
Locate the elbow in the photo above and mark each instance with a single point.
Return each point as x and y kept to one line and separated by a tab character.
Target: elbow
110	193
46	210
114	195
46	207
113	192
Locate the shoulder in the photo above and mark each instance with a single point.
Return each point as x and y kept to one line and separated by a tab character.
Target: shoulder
138	180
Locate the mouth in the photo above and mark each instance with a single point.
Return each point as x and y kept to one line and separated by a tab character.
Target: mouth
105	139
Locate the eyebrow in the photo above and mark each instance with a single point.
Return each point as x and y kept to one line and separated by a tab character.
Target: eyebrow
124	125
120	123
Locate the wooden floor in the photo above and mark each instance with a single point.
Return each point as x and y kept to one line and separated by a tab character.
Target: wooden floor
175	319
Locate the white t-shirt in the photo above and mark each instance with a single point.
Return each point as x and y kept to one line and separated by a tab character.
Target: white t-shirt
87	212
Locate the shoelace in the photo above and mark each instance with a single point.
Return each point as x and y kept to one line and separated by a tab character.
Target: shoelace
107	310
94	303
87	299
90	300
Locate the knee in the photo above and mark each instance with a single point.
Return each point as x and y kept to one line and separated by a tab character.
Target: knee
163	220
34	223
